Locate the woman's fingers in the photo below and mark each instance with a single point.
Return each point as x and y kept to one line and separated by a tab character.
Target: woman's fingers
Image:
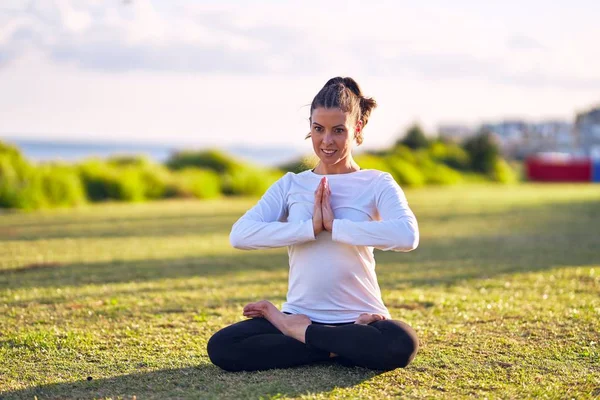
317	211
327	211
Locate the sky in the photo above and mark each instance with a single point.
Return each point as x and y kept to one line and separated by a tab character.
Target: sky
244	72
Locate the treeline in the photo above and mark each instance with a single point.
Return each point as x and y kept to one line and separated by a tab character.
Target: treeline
413	161
202	175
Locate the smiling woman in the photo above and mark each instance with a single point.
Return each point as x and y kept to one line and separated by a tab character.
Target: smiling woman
339	113
330	218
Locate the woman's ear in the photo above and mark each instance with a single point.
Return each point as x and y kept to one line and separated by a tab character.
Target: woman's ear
359	126
358	136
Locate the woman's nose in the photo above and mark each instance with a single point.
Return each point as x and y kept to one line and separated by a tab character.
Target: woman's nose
328	138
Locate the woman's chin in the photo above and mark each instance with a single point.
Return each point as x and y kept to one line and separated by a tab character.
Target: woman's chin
329	161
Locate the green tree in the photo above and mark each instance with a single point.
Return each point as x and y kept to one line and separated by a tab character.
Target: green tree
483	151
414	138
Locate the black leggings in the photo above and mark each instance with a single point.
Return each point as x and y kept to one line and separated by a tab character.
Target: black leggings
255	344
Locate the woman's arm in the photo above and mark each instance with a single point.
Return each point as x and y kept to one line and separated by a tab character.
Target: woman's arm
261	227
397	230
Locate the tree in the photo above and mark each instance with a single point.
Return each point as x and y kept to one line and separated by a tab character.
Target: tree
414	138
483	151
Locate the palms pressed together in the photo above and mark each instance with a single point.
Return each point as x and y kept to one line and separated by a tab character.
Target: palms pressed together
295	325
322	213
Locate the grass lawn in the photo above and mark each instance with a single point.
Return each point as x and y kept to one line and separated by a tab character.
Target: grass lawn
118	300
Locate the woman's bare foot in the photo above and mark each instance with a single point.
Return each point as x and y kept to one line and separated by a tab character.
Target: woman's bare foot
366	318
290	325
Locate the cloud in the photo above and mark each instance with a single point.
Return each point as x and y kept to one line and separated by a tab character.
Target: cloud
282	39
522	42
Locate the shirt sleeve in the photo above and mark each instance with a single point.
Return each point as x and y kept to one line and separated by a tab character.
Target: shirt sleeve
397	230
263	225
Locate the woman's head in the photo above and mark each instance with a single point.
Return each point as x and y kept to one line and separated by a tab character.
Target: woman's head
338	115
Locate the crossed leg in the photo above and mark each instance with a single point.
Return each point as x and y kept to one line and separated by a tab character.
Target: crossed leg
272	339
256	344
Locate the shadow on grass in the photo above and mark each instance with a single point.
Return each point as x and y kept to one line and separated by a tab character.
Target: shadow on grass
557	235
156	226
205	381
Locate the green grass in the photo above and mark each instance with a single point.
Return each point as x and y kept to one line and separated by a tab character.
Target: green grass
504	293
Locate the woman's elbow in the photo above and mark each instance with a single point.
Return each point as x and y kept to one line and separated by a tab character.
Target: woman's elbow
409	243
237	241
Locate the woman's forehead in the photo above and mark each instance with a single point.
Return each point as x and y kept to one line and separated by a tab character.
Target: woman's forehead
334	116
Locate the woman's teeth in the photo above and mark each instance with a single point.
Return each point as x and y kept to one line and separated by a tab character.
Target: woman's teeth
330	152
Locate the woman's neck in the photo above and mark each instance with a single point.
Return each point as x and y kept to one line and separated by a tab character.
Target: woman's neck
342	167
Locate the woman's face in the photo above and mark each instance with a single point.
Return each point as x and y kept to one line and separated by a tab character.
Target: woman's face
332	132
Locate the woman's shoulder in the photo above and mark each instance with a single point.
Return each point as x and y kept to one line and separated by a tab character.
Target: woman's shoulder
374	173
362	176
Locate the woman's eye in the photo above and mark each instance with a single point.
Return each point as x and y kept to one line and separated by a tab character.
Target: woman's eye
339	130
317	128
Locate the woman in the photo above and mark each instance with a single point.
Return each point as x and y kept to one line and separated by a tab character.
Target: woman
330	218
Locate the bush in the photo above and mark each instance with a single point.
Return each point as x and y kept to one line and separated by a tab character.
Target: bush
129	161
194	182
20	186
207	159
103	181
61	185
249	180
440	174
155	177
503	173
405	153
405	173
156	180
370	161
450	154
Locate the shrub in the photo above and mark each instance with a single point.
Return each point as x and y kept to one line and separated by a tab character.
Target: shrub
155	177
104	181
20	186
129	161
405	173
61	185
405	153
370	161
503	173
440	174
206	159
450	154
194	182
249	180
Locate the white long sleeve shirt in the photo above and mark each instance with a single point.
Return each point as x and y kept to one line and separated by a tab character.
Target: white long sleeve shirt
332	276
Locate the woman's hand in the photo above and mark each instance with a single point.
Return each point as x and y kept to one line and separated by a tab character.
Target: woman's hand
326	210
317	212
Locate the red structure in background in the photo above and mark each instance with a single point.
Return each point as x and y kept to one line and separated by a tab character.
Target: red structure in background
558	168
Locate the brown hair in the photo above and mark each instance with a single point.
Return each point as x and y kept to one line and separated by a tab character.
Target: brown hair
345	94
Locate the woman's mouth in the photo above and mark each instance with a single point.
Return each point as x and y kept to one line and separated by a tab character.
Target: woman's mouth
328	152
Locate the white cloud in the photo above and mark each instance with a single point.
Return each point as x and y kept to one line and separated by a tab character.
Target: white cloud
73	20
236	71
377	38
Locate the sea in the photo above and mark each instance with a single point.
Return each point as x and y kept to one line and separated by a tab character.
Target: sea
41	150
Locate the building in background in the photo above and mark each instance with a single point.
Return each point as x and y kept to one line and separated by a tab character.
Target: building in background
510	135
455	132
551	136
519	138
587	128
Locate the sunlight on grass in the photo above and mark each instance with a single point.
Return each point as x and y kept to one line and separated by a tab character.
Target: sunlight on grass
504	293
